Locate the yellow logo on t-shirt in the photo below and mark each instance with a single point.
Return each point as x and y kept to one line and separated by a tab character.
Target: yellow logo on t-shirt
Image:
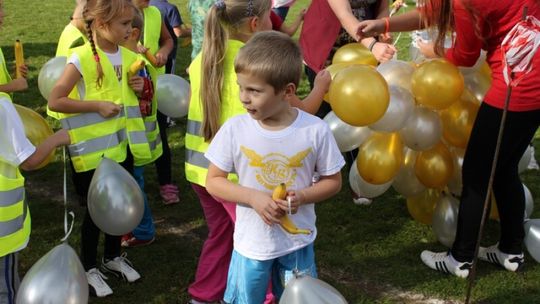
275	168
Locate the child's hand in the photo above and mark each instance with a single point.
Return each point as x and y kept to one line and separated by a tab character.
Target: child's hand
426	48
108	109
296	199
161	59
383	51
323	80
302	13
23	69
268	210
141	49
62	137
19	84
136	83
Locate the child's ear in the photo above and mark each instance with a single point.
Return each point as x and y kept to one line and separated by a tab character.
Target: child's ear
290	89
135	33
253	24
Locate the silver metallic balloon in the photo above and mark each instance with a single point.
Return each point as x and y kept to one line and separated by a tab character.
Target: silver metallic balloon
455	184
363	188
422	130
308	290
173	93
57	278
397	73
115	201
48	75
529	202
525	159
532	238
398	111
405	182
347	137
445	217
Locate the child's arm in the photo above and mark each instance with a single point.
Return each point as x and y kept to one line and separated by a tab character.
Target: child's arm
312	102
325	188
166	46
60	138
60	102
291	29
18	84
218	185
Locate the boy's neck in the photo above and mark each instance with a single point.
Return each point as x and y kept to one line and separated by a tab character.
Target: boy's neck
280	120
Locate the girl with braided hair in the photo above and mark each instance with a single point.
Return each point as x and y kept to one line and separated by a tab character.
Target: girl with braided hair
105	122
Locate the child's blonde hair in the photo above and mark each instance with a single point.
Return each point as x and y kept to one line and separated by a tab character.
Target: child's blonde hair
273	57
224	16
106	11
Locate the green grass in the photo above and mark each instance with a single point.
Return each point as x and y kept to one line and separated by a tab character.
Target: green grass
370	253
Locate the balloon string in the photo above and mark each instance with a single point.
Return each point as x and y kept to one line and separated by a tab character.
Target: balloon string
67	231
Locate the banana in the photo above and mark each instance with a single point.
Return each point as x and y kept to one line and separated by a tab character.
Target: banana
280	193
135	67
19	58
151	57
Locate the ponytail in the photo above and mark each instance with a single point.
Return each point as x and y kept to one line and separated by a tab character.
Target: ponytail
99	80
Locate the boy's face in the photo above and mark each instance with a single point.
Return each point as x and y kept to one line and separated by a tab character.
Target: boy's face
260	99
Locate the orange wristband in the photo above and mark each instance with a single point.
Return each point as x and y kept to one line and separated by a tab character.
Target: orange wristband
386	24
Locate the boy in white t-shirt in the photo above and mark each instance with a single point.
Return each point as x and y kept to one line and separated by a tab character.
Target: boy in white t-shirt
273	143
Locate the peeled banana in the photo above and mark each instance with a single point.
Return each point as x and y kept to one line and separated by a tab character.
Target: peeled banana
19	58
280	193
135	67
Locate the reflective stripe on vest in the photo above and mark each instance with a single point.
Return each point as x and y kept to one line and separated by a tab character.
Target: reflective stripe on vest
11	197
86	119
103	143
13	225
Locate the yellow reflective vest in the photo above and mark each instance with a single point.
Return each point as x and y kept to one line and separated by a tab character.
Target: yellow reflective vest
14	213
4	74
152	31
196	165
93	136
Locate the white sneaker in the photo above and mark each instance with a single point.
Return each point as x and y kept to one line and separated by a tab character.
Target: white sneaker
121	267
444	262
362	201
492	254
96	280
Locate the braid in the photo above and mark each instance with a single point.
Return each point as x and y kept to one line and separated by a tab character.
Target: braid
99	80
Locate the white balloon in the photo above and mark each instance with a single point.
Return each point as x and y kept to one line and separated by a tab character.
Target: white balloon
309	290
529	202
48	75
445	217
532	238
481	59
405	182
363	188
455	184
398	111
173	93
115	200
525	159
347	137
397	73
422	130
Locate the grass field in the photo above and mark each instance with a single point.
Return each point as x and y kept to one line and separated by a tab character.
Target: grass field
369	253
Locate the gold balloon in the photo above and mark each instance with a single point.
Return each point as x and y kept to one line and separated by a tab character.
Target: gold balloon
478	82
437	84
422	206
333	69
380	157
434	167
354	53
36	129
359	95
457	122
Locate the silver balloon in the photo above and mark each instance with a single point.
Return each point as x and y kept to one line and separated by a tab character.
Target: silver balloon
422	130
363	188
529	202
405	182
479	62
48	75
397	73
525	159
115	201
445	217
173	93
58	277
398	111
455	184
477	83
347	137
308	290
532	238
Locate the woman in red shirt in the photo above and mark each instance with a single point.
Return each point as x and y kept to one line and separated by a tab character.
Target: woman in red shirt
482	24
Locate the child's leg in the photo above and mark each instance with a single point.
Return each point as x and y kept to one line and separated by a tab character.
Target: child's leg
248	279
211	275
168	191
9	280
146	229
302	260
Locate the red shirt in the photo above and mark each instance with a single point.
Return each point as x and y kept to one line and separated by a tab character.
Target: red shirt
496	19
276	21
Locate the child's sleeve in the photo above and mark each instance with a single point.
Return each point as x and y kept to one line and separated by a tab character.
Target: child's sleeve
15	148
329	158
220	150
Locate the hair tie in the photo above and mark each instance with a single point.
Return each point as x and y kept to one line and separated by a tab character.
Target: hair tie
249	9
219	4
96	58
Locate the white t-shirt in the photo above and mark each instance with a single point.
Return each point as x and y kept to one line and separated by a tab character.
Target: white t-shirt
263	159
114	58
15	148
